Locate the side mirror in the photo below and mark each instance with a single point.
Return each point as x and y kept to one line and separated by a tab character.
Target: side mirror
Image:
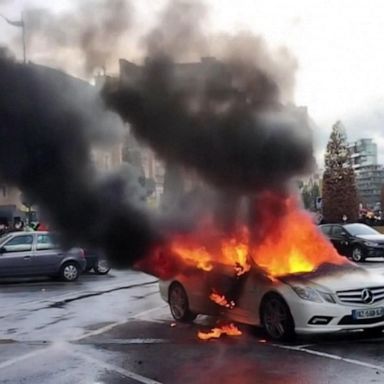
344	234
2	250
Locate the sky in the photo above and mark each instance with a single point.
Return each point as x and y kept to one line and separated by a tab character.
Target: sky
337	44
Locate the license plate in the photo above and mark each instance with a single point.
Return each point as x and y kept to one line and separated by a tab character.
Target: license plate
367	313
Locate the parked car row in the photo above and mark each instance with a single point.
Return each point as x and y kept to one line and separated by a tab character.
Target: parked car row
37	253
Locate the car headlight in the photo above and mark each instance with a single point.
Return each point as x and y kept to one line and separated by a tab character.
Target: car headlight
328	297
308	293
371	244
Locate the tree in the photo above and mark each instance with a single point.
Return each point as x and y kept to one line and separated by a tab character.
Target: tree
340	197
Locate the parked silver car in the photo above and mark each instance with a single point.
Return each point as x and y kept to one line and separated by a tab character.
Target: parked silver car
38	254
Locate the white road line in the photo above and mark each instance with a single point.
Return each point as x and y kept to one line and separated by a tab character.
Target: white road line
117	323
21	358
132	341
111	367
149	311
330	356
99	331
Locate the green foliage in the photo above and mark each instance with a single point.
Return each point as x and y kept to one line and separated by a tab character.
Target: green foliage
339	187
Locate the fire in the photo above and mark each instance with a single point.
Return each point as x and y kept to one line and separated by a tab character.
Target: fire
221	300
215	333
294	245
282	239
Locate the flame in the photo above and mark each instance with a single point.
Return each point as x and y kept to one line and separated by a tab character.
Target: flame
215	333
294	245
221	300
283	239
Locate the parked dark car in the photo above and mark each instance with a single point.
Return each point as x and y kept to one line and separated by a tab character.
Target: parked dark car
357	241
25	254
97	261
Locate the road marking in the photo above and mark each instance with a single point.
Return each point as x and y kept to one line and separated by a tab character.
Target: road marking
99	331
111	367
18	359
70	296
117	323
149	311
130	341
329	356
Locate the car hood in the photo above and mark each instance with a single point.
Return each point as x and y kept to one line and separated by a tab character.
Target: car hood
376	238
330	277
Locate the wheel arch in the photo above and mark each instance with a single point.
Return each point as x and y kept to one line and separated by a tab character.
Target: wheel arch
275	293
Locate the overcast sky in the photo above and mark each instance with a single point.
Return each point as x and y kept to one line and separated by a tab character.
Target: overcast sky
337	43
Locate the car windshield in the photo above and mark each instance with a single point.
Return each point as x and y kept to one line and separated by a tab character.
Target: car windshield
4	238
360	229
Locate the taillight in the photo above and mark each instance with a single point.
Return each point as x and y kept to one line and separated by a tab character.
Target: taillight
82	253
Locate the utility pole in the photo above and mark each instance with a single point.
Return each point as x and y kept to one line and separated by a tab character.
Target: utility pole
20	24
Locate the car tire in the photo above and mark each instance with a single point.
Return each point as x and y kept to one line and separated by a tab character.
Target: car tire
102	267
179	304
373	332
357	254
276	318
70	271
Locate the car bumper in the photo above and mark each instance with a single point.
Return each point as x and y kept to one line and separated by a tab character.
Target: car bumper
375	252
340	317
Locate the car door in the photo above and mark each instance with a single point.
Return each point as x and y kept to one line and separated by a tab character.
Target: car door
249	295
340	239
16	256
47	255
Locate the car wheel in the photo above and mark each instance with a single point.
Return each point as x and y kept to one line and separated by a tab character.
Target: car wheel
373	332
276	318
70	271
102	267
357	254
179	304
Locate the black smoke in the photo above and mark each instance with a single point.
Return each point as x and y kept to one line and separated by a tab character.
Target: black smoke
225	118
228	117
48	122
231	128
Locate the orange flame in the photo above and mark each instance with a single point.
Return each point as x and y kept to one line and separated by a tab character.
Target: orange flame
221	300
215	333
294	245
282	240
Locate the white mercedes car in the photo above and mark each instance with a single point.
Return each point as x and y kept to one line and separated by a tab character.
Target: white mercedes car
333	298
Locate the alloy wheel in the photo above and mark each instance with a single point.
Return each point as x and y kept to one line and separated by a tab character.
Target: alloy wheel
70	272
357	254
276	318
178	301
102	267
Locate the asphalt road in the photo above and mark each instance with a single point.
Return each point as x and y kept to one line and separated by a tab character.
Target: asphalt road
116	329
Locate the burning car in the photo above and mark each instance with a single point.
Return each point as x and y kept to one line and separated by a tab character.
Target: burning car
332	298
289	280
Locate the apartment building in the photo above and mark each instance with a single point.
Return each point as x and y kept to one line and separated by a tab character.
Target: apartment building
369	173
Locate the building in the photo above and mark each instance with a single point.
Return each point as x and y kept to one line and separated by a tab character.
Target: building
12	203
369	174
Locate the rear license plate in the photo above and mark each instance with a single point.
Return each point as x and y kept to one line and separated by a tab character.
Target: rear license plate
367	313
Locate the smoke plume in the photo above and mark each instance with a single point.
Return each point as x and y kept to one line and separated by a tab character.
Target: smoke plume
48	123
225	118
93	31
